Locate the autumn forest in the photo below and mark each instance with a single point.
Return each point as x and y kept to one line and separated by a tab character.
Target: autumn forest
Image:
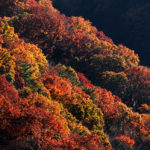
65	85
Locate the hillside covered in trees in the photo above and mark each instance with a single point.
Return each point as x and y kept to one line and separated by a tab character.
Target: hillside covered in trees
125	21
65	85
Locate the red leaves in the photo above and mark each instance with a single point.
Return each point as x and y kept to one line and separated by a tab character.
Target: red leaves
6	108
18	119
139	78
74	41
78	142
126	140
22	120
107	102
84	81
8	90
103	37
44	24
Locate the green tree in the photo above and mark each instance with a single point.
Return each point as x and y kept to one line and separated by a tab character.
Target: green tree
26	73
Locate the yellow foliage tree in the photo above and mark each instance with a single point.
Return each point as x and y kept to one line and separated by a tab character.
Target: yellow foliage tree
7	62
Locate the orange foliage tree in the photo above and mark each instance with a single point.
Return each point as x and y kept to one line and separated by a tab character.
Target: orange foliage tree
124	142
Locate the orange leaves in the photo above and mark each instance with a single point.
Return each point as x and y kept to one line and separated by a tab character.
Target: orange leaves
126	140
17	50
84	25
7	108
107	102
30	54
103	37
54	82
144	126
76	101
139	73
73	38
8	90
132	59
44	26
84	81
56	101
63	91
18	121
144	108
78	142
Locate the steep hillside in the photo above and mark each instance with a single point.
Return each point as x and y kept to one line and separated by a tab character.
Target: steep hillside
125	21
64	85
